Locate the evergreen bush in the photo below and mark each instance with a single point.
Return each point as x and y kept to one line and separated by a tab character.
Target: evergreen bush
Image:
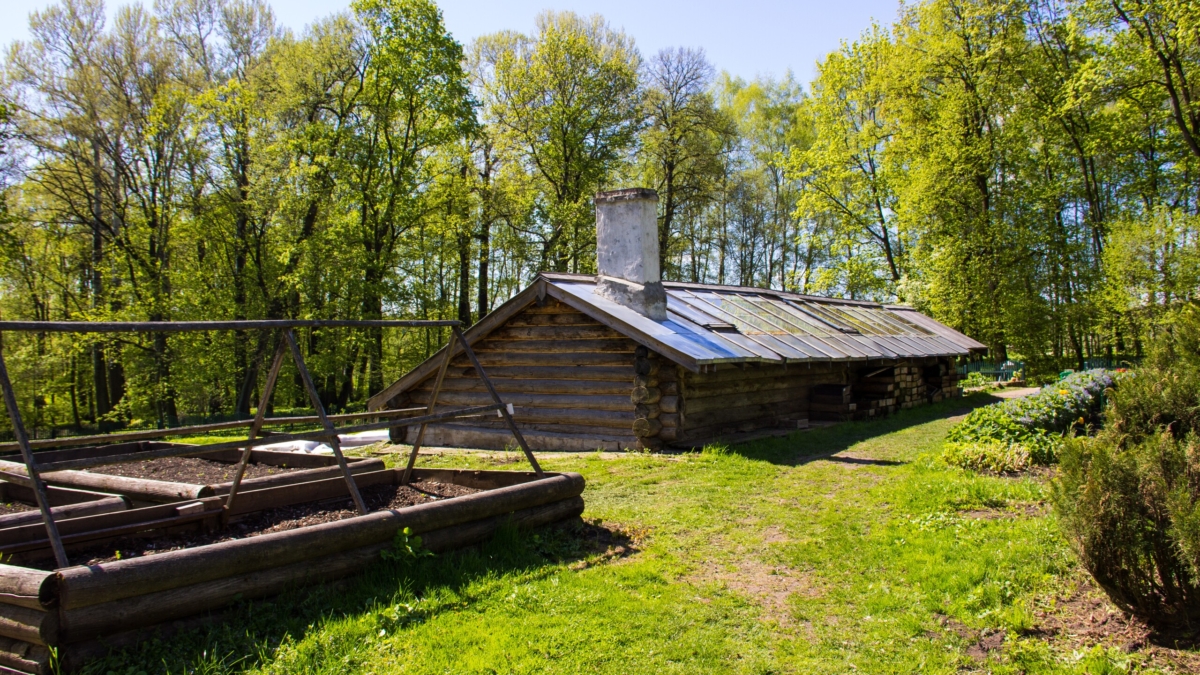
1128	500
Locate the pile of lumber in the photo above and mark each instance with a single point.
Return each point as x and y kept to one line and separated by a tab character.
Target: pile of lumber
945	384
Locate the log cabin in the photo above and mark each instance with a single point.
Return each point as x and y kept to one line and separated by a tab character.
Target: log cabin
623	360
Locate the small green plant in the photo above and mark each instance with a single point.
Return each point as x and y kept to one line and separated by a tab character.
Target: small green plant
405	546
990	456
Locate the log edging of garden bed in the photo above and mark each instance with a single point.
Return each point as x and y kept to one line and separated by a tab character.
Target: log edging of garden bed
82	586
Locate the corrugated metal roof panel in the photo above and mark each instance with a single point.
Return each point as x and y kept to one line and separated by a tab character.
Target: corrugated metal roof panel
715	324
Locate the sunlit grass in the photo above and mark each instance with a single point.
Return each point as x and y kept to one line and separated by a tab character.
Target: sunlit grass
842	549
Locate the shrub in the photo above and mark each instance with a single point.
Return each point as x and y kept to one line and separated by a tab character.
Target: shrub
1132	514
1128	500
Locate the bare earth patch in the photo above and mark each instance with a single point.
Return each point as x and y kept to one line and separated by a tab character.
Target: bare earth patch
1087	618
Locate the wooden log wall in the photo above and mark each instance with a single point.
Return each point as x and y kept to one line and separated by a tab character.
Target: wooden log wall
744	397
568	376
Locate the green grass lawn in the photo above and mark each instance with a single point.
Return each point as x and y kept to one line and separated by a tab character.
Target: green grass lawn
851	548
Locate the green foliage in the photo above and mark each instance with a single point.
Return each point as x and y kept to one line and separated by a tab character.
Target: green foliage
1129	499
405	546
988	455
1130	510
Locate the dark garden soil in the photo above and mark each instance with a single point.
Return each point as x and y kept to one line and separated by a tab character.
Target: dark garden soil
15	507
189	470
273	520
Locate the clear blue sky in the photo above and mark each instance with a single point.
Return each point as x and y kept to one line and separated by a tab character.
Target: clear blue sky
746	38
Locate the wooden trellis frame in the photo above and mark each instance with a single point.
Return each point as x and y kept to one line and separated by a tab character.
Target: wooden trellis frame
285	342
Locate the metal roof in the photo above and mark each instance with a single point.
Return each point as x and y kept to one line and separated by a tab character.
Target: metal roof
708	324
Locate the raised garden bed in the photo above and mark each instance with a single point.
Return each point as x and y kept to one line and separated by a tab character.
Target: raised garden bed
187	558
200	474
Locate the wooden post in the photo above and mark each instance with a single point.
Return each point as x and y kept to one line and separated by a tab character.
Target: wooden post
433	397
39	488
256	426
325	422
496	397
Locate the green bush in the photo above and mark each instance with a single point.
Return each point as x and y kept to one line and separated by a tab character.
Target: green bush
1131	514
1128	500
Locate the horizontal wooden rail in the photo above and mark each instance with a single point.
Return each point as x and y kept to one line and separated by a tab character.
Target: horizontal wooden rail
193	326
177	451
149	434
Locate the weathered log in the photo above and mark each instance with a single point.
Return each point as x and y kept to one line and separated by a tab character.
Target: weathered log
669	404
137	488
695	406
505	359
466	398
249	501
33	532
668	434
571	372
645	381
735	414
645	395
509	386
449	538
23	657
105	505
551	306
643	411
564	319
571	439
105	582
36	626
588	332
57	495
618	428
29	588
615	345
646	367
644	428
303	476
669	421
735	373
669	388
168	524
85	622
749	386
296	460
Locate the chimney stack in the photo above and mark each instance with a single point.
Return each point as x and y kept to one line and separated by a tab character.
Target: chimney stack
627	251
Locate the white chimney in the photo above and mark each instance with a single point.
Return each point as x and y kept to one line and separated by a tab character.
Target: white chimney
627	251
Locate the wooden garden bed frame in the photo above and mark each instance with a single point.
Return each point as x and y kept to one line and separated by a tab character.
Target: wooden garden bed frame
83	611
77	610
285	342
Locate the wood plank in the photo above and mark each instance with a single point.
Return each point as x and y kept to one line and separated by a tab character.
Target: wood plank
554	333
570	371
508	385
490	360
618	345
571	318
465	398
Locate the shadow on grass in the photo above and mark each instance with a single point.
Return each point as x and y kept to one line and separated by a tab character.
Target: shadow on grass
823	444
389	595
